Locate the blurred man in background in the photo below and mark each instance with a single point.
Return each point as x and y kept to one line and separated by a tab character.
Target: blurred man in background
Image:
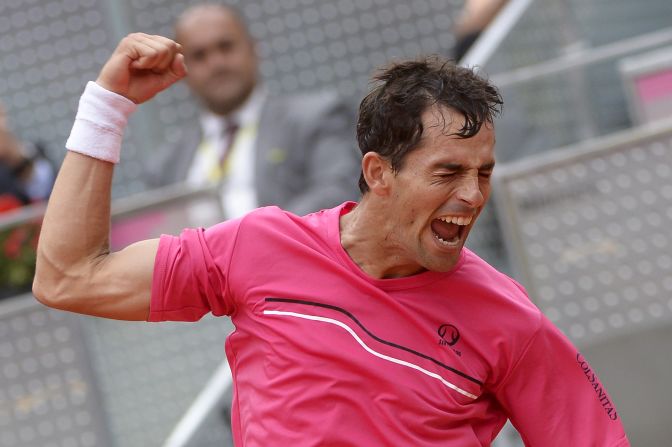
297	152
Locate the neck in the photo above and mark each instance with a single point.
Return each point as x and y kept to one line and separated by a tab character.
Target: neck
371	242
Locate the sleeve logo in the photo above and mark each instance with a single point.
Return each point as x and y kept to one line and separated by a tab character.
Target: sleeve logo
597	386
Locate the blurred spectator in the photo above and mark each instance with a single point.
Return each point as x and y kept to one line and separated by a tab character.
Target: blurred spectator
25	173
26	176
475	17
297	151
12	191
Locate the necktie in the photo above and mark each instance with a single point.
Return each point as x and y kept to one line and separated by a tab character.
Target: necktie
229	135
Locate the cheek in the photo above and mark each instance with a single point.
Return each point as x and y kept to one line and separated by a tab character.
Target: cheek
241	62
406	209
411	216
197	75
485	191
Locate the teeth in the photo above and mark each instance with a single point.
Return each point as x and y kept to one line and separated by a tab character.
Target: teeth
457	220
442	241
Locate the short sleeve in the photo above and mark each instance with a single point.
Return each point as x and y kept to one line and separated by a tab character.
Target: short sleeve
554	398
191	274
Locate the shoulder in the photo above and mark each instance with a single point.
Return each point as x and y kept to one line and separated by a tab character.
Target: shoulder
500	296
276	223
494	282
504	319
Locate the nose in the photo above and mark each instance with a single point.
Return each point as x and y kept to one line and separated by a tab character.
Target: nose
469	192
215	59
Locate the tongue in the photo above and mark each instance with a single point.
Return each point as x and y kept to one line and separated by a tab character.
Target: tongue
446	231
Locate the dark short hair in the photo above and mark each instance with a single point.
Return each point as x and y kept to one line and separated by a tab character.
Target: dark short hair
390	116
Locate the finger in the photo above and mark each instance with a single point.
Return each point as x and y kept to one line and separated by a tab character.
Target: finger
174	73
172	50
148	55
144	56
166	49
176	47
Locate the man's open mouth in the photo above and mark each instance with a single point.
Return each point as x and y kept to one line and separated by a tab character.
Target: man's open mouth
449	229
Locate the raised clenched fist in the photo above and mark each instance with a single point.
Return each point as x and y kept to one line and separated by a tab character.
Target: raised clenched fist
142	66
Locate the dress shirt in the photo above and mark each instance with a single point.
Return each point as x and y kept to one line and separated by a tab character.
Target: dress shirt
236	174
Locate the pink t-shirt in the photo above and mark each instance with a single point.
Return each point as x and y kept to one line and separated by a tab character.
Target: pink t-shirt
324	355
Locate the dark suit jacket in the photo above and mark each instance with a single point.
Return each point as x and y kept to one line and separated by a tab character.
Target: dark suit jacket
306	157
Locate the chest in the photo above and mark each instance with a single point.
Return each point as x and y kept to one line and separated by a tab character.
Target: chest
331	330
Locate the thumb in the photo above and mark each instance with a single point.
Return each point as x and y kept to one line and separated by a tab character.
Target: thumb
178	67
174	73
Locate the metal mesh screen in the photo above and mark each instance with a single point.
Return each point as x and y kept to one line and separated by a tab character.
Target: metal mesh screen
589	231
601	22
77	381
48	396
150	373
312	44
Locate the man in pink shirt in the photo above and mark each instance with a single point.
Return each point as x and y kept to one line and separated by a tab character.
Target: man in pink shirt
368	324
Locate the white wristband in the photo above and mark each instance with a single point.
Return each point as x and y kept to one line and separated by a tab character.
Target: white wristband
100	122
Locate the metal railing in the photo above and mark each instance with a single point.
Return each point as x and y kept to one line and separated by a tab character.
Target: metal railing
493	36
208	400
581	57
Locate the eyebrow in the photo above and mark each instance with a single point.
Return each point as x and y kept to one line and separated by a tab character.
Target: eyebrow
457	166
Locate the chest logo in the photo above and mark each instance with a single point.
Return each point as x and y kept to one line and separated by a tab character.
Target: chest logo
449	335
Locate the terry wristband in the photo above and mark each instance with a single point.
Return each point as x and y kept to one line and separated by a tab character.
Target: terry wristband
100	122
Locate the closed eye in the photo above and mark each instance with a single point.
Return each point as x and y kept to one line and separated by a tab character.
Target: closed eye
225	46
196	56
440	178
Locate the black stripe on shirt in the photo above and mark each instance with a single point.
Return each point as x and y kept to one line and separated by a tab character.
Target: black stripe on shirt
375	337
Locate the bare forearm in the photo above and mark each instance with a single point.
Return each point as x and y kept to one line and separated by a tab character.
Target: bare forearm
75	269
76	225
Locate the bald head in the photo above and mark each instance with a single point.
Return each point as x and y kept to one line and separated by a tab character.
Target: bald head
197	13
220	56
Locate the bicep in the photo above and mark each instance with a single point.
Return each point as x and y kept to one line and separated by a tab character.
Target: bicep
120	284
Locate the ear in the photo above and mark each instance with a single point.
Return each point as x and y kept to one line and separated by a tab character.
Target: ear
377	172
